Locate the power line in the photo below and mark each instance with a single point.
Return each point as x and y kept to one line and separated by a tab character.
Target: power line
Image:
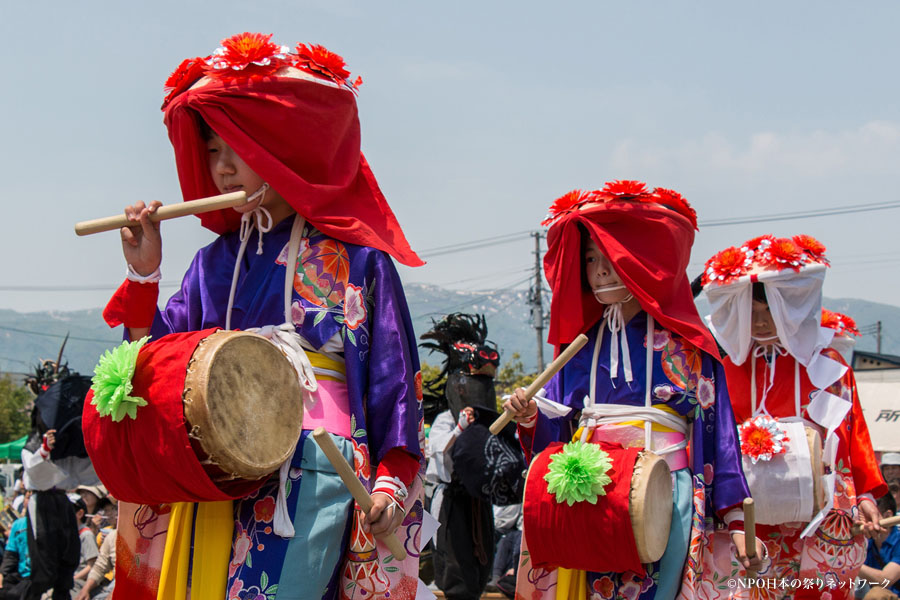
54	335
465	247
458	245
71	288
806	214
486	276
521	235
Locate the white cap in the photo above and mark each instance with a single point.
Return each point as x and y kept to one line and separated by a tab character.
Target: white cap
890	458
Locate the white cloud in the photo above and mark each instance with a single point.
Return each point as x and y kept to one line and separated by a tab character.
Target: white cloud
870	149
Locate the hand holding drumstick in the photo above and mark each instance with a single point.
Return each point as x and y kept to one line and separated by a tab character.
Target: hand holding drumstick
379	526
749	557
521	405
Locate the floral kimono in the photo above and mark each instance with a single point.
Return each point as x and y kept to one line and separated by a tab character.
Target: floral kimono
352	296
686	382
789	377
830	557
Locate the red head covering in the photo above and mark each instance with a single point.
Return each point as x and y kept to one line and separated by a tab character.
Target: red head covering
292	117
647	236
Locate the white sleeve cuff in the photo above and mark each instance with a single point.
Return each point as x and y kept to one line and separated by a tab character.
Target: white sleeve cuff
867	496
133	275
735	514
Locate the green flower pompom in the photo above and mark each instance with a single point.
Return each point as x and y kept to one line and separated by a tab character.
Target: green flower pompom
578	473
112	382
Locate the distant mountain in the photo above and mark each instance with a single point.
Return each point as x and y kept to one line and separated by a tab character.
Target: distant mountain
25	338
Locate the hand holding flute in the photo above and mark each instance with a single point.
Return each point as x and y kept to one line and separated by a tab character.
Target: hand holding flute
142	243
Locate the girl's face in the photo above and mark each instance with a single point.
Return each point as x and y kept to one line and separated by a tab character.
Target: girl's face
762	326
231	174
601	277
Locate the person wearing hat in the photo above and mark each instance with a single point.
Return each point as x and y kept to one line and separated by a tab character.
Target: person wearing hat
648	378
789	388
280	123
91	495
890	465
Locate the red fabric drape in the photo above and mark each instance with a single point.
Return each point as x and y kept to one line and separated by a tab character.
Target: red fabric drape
649	246
576	537
149	459
300	136
133	305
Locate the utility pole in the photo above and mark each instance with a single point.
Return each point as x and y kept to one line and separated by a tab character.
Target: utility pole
878	335
537	307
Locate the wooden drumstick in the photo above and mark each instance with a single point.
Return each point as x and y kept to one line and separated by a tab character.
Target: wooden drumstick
542	379
170	211
356	488
888	522
750	533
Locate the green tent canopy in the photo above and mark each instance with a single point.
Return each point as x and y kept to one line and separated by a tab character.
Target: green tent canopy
13	450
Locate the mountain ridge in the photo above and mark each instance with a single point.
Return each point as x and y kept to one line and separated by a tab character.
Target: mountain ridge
25	338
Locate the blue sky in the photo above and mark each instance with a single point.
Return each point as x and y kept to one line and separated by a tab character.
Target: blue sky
475	116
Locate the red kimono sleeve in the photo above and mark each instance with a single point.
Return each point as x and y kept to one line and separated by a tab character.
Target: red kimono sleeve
866	473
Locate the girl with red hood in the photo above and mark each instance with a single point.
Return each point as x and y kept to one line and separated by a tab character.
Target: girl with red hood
280	124
648	378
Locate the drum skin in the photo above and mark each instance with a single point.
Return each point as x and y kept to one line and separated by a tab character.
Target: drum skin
223	412
818	469
243	403
650	506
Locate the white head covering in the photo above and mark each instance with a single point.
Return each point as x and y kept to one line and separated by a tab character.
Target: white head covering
792	271
795	301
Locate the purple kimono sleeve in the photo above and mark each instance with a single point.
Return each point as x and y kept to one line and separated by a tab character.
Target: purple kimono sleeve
392	406
567	387
200	302
721	449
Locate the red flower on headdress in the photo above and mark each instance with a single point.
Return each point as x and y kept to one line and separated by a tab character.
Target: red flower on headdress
840	322
812	247
726	266
247	55
566	204
676	201
784	252
322	62
625	189
183	77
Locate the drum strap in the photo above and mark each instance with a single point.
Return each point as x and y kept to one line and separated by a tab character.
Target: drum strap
776	350
595	414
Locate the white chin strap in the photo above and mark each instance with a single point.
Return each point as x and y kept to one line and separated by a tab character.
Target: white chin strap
608	288
770	353
764	339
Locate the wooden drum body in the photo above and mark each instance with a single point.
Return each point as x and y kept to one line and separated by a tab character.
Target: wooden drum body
636	512
224	411
244	404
